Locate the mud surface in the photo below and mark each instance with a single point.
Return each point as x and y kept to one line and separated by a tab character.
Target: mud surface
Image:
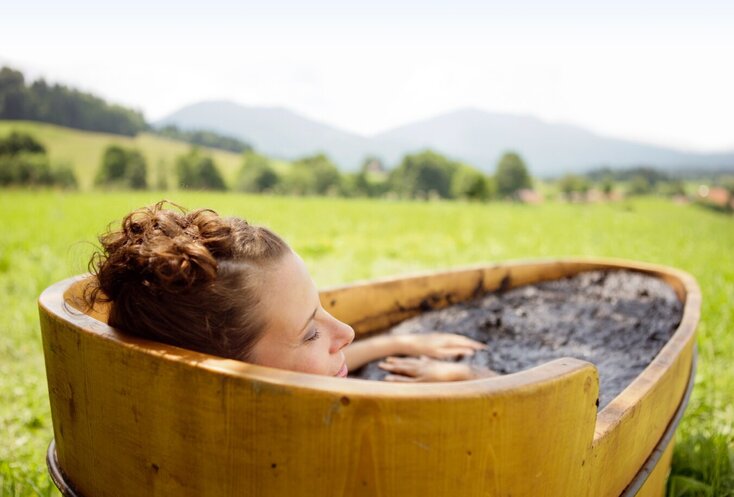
617	320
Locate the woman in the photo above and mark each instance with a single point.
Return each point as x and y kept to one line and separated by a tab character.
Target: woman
224	287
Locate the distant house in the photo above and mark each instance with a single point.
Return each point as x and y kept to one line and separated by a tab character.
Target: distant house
527	196
716	196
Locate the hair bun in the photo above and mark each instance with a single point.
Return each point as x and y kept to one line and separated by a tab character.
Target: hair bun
161	249
176	264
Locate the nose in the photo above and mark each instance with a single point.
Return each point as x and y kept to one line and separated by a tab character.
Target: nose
342	335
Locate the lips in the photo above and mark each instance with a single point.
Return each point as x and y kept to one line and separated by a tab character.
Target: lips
342	373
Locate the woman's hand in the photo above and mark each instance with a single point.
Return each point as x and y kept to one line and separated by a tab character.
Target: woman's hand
424	369
438	345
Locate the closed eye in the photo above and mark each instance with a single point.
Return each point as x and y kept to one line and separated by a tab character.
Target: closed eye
313	336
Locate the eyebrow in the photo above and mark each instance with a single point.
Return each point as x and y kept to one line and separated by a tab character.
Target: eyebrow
309	320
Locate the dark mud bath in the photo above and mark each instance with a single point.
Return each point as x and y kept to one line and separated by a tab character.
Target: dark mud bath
617	320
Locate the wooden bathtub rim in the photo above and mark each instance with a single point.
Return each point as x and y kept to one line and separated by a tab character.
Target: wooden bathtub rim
651	463
52	302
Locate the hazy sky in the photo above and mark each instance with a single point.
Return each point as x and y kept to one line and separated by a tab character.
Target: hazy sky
661	71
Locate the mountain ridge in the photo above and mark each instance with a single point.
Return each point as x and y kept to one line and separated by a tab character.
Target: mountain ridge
467	134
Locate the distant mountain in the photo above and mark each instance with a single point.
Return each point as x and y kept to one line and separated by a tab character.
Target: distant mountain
274	131
471	135
480	138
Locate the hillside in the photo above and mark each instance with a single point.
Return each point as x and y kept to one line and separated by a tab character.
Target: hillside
84	149
471	135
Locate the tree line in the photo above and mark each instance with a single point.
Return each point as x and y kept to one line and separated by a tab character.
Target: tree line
64	106
423	175
59	104
640	180
204	139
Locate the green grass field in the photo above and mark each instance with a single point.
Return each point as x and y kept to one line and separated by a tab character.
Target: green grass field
47	236
84	149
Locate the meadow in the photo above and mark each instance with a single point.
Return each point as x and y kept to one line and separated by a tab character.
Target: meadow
47	236
84	149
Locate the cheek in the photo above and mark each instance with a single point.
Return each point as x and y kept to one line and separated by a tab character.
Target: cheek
313	358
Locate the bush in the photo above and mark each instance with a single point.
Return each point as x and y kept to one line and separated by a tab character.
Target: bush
64	177
671	188
199	172
26	169
257	174
123	168
17	143
572	184
607	185
640	185
23	161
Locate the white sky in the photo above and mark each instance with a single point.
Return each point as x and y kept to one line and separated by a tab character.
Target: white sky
661	72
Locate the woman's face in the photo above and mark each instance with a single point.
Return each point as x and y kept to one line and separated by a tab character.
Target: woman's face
300	335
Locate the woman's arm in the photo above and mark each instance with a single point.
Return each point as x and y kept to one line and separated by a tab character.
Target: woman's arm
424	369
438	345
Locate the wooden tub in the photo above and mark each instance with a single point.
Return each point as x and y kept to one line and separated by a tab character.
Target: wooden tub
135	418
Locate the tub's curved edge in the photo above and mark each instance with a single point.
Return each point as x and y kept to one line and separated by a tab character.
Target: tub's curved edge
651	463
601	262
682	339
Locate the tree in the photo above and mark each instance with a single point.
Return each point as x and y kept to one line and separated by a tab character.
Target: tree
257	174
23	161
136	171
423	174
671	188
13	95
607	185
122	168
470	184
313	175
571	184
16	143
512	175
25	169
197	171
640	184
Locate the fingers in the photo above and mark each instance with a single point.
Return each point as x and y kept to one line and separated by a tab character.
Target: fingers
454	340
398	378
462	341
453	352
401	365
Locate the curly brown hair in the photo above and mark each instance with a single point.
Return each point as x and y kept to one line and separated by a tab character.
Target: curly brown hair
190	279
